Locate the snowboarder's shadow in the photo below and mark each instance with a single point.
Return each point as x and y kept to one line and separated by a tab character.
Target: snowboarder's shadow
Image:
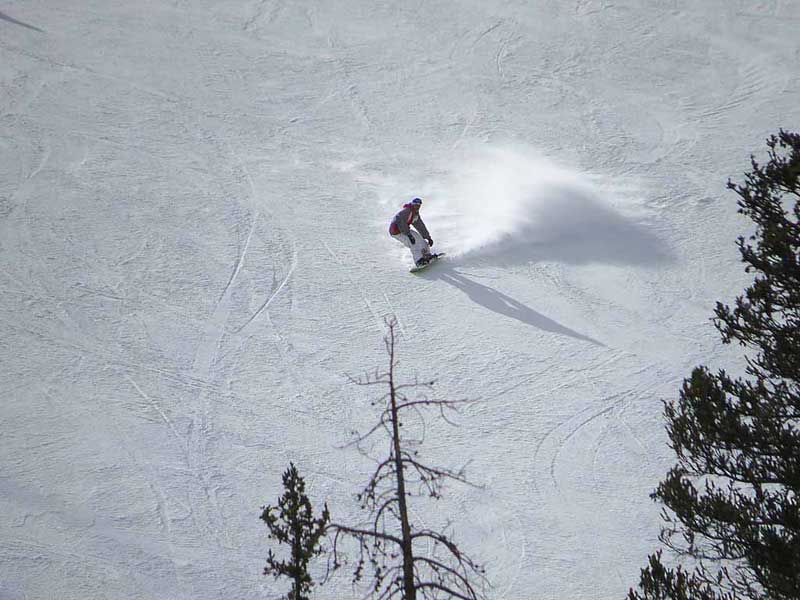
5	17
501	303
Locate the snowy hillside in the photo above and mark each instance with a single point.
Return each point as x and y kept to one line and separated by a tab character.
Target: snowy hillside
194	203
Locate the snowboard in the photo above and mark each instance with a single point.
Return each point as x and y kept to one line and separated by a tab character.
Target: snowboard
434	258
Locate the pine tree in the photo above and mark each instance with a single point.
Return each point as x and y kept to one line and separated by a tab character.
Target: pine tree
292	522
733	499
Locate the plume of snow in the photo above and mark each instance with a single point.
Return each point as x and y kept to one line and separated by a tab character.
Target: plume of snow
516	203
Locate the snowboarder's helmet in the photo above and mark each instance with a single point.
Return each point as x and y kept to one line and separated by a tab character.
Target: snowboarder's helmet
417	201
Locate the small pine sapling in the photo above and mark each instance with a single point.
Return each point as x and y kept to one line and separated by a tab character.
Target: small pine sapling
292	523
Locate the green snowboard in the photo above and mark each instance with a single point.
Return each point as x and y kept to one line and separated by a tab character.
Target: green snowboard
434	258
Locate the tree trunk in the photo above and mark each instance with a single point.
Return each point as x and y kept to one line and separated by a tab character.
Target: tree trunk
410	591
296	554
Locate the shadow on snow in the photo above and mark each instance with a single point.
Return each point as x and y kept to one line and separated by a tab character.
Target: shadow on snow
5	17
574	226
499	302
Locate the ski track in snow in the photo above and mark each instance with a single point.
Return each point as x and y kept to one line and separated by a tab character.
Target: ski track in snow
193	255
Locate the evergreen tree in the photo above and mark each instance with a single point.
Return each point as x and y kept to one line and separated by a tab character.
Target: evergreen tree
733	499
292	522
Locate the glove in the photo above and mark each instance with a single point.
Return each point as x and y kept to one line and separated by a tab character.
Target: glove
411	239
430	242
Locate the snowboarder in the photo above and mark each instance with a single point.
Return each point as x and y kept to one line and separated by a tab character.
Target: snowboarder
400	229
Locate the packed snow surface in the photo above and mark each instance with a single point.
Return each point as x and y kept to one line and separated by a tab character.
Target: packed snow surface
194	203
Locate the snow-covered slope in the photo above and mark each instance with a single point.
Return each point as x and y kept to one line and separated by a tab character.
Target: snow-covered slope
194	199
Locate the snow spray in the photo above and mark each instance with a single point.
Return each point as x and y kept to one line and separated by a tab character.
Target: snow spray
518	204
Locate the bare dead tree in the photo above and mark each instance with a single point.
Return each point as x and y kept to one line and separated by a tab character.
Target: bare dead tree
407	562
